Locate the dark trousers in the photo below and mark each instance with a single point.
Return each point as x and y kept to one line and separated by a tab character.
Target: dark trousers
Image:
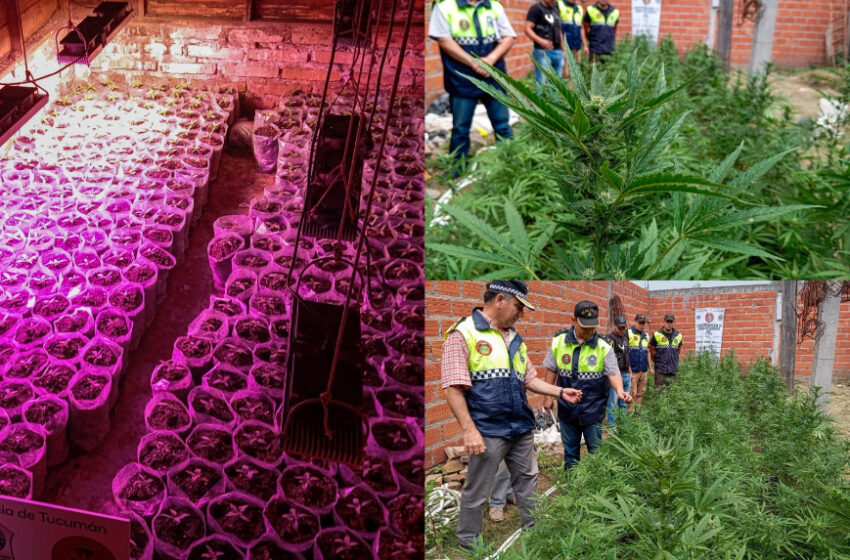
662	379
463	109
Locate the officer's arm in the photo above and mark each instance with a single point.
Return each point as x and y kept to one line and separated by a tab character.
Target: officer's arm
540	387
612	370
472	440
500	51
454	50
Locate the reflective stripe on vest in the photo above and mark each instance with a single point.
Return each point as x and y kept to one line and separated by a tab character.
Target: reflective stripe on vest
638	339
472	25
496	400
570	15
588	375
598	18
488	353
591	361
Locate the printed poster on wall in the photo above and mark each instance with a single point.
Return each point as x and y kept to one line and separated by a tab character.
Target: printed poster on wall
709	329
646	18
37	531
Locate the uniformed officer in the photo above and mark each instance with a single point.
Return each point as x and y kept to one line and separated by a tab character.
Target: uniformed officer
638	357
664	348
572	15
466	30
580	359
601	21
485	374
620	343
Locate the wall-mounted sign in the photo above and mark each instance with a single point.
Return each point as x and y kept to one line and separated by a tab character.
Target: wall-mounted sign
33	530
709	329
646	18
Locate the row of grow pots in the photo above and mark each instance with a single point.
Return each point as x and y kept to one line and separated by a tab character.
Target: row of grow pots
98	201
213	455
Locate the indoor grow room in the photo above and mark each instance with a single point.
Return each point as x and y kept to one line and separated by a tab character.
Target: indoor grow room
211	285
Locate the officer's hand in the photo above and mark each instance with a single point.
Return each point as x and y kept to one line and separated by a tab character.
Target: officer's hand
625	397
572	395
482	72
546	44
473	442
548	402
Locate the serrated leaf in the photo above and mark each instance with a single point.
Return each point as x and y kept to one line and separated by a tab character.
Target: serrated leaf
757	170
517	228
756	215
719	173
732	246
662	141
662	182
471	254
481	229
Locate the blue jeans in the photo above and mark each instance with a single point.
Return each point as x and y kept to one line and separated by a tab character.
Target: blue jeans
463	109
571	438
627	386
556	61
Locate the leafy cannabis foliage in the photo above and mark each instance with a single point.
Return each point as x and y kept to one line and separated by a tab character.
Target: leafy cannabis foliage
627	176
716	466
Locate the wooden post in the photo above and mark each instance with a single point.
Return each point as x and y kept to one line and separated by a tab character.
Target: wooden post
724	31
788	333
14	24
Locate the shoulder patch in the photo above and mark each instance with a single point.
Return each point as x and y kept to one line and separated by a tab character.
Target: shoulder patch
560	332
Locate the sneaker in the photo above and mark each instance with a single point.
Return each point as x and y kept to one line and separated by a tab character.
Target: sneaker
497	514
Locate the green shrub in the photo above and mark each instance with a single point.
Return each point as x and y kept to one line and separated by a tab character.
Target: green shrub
618	174
716	466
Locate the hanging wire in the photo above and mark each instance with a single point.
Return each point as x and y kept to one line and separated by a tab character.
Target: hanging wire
812	296
615	308
326	397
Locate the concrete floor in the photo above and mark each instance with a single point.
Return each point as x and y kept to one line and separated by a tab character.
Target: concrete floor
85	480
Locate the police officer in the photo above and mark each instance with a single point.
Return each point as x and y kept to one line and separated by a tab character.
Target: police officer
638	357
620	343
485	374
466	30
580	359
600	22
572	15
664	348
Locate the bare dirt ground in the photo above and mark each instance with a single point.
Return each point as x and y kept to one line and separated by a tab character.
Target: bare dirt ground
802	90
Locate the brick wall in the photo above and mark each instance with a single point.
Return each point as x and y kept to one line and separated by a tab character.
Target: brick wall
448	301
264	59
748	325
798	40
748	329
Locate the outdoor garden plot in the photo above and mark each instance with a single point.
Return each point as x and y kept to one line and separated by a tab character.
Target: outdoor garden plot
213	463
719	465
652	166
98	201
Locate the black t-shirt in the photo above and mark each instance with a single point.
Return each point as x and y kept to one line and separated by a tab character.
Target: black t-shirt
547	23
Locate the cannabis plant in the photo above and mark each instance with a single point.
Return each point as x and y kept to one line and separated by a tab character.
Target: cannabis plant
717	465
625	197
